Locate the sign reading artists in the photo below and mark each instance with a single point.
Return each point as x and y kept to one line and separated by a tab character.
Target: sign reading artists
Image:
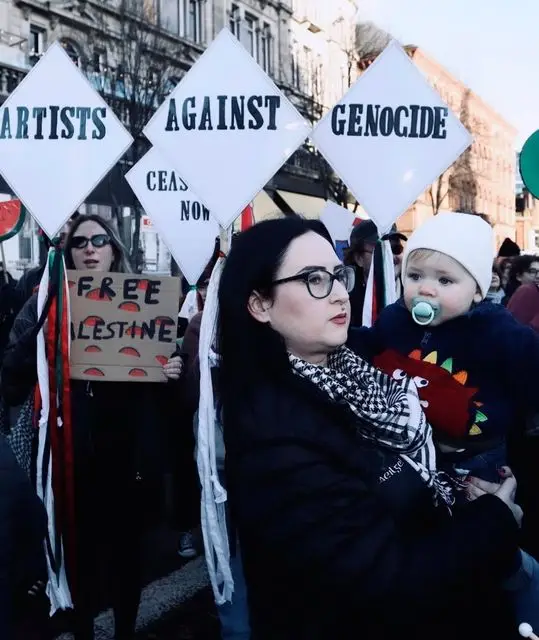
226	132
390	136
182	221
123	326
58	139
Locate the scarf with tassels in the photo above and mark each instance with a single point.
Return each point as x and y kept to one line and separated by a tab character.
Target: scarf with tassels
388	409
54	464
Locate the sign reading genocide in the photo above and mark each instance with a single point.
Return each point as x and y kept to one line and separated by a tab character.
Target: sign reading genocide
226	128
123	326
58	139
182	221
390	136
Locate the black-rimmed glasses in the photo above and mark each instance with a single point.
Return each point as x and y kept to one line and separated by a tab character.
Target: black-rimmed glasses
319	282
98	241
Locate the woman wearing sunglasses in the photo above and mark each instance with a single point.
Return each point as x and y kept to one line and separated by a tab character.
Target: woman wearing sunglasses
119	445
346	528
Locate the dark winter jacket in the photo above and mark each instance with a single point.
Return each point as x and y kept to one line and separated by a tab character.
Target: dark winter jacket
119	427
476	374
22	534
524	305
342	540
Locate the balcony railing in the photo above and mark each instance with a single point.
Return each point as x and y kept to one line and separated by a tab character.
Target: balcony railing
9	79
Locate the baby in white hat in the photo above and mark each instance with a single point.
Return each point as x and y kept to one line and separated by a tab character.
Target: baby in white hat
474	363
475	366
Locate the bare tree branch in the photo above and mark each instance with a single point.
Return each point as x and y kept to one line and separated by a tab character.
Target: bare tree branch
371	40
132	63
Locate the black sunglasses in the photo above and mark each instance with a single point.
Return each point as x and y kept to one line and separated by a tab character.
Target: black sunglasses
320	281
98	241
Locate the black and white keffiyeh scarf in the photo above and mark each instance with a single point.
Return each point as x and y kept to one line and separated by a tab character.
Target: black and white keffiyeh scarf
388	409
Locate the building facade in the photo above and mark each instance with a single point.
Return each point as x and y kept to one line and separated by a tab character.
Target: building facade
306	46
483	179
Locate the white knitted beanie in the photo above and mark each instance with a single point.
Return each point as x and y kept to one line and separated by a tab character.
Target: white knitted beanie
466	238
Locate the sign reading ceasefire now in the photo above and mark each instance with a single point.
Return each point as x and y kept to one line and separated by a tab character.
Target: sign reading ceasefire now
123	326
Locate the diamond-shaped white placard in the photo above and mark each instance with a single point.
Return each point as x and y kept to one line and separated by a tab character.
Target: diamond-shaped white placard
386	172
338	221
183	222
58	139
254	128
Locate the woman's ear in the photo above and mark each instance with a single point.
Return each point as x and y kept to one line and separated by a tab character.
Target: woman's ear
259	307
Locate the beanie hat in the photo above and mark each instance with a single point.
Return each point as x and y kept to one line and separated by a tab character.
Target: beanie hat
508	249
466	238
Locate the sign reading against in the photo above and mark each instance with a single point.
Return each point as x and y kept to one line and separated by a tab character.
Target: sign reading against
226	128
123	326
390	136
338	221
183	222
58	139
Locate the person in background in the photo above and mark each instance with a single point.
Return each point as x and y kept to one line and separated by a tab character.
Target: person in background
8	303
508	249
119	446
23	573
29	281
359	255
524	270
495	293
524	304
504	269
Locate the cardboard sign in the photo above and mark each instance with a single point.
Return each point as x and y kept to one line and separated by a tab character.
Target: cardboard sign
58	139
226	128
390	136
123	326
182	221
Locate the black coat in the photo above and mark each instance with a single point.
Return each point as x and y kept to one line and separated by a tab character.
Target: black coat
119	434
119	427
22	533
342	540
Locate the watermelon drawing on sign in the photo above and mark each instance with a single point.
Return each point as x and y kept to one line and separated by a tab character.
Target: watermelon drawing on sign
129	351
12	215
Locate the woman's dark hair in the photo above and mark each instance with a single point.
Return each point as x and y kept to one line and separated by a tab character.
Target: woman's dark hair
120	262
250	350
519	266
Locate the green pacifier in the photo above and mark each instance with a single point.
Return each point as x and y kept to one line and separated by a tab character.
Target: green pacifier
423	312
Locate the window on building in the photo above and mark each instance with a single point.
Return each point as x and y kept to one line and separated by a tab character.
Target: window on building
295	67
26	245
251	33
195	31
234	22
72	52
266	49
169	15
308	71
149	8
99	60
36	43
